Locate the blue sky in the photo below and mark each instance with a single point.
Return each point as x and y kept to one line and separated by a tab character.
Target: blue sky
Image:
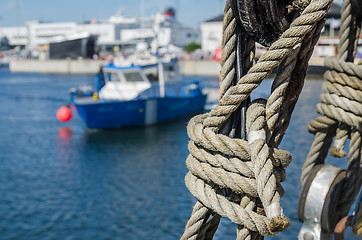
189	12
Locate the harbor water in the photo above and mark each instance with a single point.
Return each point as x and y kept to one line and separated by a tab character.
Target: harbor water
62	181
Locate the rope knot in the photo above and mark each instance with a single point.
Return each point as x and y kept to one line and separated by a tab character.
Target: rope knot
220	165
241	179
341	99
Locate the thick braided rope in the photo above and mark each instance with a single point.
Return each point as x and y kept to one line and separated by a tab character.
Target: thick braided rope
234	171
297	81
245	48
243	232
227	73
340	90
348	38
263	166
278	115
279	88
340	114
208	226
341	107
324	129
342	81
212	197
352	107
321	123
228	58
201	180
194	224
354	172
209	169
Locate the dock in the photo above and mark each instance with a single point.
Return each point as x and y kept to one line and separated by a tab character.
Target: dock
88	66
61	66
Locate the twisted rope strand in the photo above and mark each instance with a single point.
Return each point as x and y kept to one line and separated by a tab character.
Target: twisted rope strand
228	57
220	204
342	135
266	180
343	79
279	87
194	224
354	172
349	33
300	27
344	91
295	86
319	149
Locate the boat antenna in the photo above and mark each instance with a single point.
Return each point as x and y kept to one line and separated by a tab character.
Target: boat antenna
142	9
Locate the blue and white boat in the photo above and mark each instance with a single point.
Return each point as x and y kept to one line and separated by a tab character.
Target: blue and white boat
138	95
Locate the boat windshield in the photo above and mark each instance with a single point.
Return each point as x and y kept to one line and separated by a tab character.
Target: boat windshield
113	76
133	77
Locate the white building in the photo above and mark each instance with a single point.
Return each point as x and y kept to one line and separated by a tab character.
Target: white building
211	35
17	36
162	26
117	30
41	33
105	31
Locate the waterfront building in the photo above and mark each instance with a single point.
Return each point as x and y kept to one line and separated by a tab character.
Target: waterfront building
211	35
118	31
17	36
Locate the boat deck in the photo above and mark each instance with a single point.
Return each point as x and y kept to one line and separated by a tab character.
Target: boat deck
87	100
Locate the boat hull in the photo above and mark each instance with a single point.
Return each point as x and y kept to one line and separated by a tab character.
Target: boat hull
121	114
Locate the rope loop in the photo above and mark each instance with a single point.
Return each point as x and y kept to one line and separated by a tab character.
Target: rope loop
224	163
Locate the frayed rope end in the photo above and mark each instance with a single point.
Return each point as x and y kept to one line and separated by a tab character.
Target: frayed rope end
338	153
278	224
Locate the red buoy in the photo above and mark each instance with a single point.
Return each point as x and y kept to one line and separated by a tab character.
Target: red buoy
64	114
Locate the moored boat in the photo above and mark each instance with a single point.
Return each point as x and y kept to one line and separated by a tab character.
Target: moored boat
145	93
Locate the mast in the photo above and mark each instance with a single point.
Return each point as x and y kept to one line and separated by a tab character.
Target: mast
142	9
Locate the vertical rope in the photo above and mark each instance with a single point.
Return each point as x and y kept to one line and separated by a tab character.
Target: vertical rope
195	227
354	172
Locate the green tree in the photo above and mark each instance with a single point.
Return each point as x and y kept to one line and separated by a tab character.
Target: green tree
192	46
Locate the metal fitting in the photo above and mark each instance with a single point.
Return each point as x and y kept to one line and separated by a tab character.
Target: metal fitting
317	206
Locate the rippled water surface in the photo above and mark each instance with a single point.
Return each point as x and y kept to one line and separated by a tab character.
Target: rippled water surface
61	181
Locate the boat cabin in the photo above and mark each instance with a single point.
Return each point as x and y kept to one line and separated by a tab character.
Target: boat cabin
138	82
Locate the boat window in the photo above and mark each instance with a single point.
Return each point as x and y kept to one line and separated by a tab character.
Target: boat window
133	77
151	73
115	77
170	72
112	76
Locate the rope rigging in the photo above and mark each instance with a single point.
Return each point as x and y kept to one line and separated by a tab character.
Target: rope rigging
341	109
237	178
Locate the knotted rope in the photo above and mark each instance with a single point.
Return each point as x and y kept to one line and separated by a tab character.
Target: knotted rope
341	107
236	178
